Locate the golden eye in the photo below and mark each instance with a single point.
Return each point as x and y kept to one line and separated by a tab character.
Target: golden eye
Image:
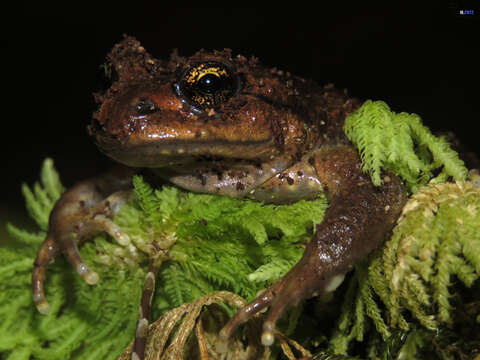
208	84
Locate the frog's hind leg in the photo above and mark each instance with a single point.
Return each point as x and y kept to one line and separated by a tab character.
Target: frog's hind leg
357	220
138	352
81	212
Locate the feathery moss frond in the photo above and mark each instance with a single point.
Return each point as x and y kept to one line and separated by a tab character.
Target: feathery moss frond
174	280
426	251
41	200
402	144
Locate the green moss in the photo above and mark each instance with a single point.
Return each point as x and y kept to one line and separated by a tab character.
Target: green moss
401	143
213	242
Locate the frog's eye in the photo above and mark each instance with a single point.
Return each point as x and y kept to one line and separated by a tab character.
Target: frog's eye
208	84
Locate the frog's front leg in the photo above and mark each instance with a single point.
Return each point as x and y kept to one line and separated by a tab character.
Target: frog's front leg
357	220
81	212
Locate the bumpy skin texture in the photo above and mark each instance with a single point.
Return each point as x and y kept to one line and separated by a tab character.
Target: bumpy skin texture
220	124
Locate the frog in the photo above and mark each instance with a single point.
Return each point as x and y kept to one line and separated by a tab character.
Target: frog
224	124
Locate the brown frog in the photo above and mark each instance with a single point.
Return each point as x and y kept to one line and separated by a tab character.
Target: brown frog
215	123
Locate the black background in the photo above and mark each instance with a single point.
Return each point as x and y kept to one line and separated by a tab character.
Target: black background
418	59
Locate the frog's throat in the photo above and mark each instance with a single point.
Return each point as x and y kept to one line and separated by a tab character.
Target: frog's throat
231	178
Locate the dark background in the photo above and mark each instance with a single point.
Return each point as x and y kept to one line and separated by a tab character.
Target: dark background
420	60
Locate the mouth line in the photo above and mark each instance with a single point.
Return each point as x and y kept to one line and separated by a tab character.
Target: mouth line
195	147
170	152
177	146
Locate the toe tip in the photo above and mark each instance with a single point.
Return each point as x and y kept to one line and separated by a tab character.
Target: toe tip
43	308
40	303
92	278
223	334
267	338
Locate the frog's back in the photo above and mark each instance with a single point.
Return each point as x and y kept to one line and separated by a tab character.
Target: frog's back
323	110
312	113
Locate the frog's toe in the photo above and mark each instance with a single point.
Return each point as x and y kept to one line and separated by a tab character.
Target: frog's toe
45	255
247	312
279	297
289	293
73	256
96	220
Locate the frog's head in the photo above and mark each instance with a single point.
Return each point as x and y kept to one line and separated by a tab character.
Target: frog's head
161	113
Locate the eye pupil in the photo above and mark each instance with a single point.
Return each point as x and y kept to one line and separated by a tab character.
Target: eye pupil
208	84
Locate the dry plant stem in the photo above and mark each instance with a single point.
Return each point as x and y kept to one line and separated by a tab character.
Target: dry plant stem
175	349
284	343
202	346
159	332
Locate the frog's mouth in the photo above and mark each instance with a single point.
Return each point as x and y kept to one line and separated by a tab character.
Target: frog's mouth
168	153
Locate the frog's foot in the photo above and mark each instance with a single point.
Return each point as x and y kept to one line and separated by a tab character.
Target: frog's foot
76	217
298	284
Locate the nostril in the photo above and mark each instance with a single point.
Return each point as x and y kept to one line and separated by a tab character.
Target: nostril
145	106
